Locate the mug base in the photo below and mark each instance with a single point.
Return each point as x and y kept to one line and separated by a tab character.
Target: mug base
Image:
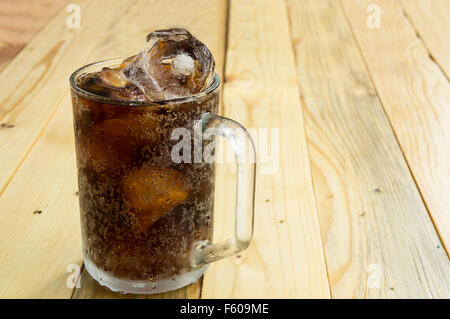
142	286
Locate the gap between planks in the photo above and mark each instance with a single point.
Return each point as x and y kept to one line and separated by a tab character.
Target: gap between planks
336	95
422	86
285	258
302	104
430	21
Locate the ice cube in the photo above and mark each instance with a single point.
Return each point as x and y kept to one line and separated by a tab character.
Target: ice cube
113	77
173	64
153	192
183	65
126	62
111	83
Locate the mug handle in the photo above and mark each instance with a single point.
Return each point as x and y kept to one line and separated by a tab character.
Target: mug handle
241	141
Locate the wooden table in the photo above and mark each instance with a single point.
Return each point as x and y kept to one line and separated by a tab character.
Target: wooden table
360	204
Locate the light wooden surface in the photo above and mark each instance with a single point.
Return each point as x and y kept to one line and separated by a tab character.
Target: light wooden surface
20	20
35	83
371	214
430	20
285	258
416	97
359	206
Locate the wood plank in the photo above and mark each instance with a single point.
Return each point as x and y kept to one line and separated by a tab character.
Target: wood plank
285	258
378	237
35	82
430	21
40	235
416	98
20	21
43	245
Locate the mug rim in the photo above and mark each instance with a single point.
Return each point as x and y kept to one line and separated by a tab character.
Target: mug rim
103	99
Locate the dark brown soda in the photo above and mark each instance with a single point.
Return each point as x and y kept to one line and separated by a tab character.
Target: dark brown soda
141	213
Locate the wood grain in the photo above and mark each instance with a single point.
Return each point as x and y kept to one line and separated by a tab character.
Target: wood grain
416	97
43	245
20	20
431	22
285	258
379	240
34	83
39	218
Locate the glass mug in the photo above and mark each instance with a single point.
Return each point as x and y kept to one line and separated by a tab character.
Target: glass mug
146	219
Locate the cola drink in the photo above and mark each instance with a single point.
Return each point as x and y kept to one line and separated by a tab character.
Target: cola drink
147	212
142	213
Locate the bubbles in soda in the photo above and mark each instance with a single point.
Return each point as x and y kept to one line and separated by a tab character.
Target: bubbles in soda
153	191
142	213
